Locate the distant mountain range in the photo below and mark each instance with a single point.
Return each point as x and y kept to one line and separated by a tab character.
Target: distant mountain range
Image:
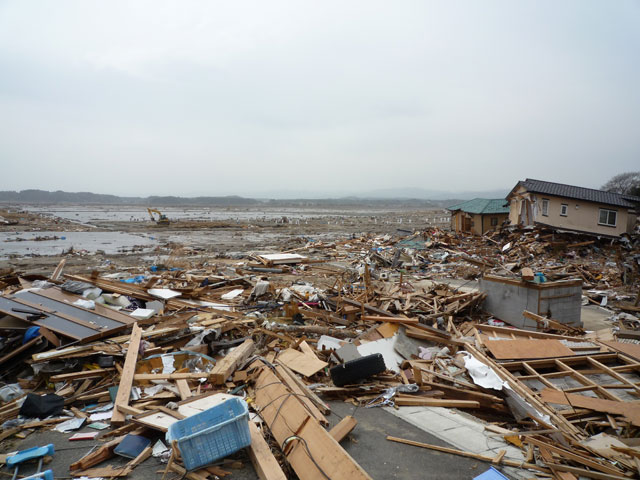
393	197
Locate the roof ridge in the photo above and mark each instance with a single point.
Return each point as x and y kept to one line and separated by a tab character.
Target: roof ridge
574	186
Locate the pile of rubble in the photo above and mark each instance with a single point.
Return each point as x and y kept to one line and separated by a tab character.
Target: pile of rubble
135	355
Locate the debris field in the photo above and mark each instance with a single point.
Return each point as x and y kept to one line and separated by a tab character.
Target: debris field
207	363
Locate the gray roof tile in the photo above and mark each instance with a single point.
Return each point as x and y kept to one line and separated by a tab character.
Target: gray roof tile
580	193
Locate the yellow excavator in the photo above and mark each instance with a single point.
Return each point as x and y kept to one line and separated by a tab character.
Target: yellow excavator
161	220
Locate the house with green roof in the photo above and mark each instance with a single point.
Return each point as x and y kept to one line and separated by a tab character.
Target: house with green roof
480	215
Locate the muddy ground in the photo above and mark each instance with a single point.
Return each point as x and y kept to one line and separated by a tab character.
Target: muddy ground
108	237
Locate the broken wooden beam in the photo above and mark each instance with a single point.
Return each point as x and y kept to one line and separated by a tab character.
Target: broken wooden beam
265	464
225	367
126	380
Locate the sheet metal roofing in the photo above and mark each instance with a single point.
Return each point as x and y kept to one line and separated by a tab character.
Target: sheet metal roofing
579	193
483	206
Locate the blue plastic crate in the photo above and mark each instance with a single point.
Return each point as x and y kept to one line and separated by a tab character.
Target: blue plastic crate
491	474
212	434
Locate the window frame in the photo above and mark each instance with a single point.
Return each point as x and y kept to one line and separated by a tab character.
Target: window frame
608	213
494	221
545	207
564	209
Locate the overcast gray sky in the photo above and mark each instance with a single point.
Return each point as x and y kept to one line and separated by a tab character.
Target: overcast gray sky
331	97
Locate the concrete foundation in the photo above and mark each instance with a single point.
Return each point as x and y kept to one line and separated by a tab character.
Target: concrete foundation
507	298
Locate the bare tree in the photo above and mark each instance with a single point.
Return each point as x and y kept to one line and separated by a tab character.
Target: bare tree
627	183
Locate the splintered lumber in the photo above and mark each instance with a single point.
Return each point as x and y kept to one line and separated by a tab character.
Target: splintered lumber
561	422
183	388
265	464
170	376
225	367
527	274
300	362
374	318
417	401
95	457
571	455
627	409
287	379
317	330
343	428
317	401
310	449
58	271
95	373
126	380
142	456
484	458
585	473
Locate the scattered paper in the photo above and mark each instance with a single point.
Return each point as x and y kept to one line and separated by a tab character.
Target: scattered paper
95	417
98	425
88	304
158	449
69	425
167	364
232	294
482	374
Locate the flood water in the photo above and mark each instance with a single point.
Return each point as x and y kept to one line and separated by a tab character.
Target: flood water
25	243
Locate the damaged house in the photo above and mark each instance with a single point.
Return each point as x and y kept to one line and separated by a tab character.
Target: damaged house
567	207
479	215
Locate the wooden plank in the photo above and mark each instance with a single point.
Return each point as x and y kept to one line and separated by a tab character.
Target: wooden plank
436	402
170	376
317	401
374	318
525	349
142	456
286	416
265	464
96	373
548	458
306	349
183	388
574	456
581	472
58	270
629	410
295	388
509	463
225	367
631	349
301	363
21	349
95	457
126	380
343	428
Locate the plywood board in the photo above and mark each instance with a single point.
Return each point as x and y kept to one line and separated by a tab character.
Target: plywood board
301	363
524	349
629	410
631	349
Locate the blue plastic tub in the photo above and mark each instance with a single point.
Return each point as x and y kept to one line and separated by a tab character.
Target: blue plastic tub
212	434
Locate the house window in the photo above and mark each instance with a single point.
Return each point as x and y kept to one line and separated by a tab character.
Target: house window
545	207
608	217
564	209
494	221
